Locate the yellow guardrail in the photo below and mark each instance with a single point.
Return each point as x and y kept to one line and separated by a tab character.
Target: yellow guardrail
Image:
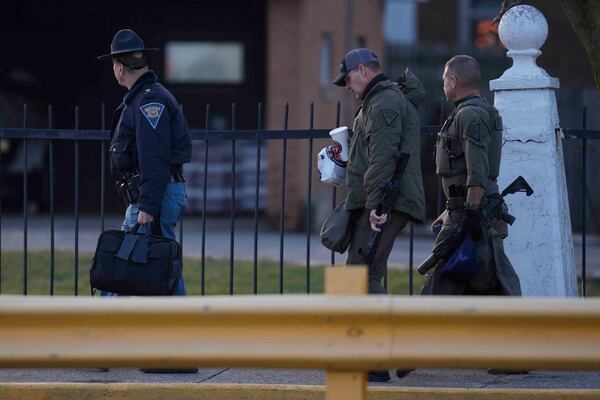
324	332
331	332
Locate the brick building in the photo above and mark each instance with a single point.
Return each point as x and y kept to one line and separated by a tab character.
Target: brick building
306	40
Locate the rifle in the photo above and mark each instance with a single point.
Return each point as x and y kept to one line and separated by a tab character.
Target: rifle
390	190
492	209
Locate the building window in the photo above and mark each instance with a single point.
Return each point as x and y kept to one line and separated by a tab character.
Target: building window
475	24
400	21
485	33
204	62
326	60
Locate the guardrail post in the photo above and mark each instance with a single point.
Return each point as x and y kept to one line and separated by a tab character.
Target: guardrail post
346	385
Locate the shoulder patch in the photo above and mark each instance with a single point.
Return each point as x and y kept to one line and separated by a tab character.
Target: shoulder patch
152	112
473	131
389	116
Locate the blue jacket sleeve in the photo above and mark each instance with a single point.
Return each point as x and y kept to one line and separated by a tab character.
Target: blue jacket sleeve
153	138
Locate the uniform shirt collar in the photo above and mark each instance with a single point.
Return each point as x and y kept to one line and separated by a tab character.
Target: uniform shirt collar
147	78
378	78
457	102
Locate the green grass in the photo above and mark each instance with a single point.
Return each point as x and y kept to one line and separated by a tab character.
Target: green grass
216	276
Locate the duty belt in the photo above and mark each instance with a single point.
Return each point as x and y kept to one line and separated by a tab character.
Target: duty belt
176	173
456	203
176	177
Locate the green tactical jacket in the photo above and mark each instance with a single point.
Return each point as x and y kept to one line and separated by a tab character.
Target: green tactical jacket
385	119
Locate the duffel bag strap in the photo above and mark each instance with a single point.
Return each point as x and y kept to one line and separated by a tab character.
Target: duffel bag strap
134	246
127	246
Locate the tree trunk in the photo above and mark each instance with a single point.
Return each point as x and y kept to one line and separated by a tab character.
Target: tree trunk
584	16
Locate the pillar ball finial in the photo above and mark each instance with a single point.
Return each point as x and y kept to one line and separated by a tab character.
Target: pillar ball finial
523	27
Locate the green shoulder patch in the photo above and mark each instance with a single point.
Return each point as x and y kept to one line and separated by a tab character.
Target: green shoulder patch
473	132
389	116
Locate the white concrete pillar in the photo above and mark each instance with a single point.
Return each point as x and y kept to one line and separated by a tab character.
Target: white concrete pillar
540	243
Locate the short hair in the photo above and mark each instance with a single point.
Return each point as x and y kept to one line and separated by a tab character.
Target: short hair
132	61
373	66
466	69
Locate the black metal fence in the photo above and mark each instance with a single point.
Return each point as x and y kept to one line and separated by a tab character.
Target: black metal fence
258	136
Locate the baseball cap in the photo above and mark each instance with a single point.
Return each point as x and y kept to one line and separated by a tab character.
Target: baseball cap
352	60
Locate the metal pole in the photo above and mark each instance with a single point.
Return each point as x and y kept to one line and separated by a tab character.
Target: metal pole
309	195
51	161
76	263
256	201
232	215
25	203
410	258
583	206
204	191
103	168
334	192
282	197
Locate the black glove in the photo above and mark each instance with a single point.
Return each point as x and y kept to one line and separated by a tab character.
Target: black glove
473	223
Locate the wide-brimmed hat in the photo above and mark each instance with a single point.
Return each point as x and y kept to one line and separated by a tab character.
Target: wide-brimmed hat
352	60
126	41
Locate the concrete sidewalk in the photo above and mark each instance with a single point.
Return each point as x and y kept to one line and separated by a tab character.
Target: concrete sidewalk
454	378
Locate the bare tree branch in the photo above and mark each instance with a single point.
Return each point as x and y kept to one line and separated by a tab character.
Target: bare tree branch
584	16
504	7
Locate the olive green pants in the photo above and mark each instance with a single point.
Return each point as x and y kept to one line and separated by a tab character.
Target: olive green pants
495	275
360	236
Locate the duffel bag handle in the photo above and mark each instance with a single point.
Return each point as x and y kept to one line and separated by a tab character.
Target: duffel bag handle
134	248
140	249
136	227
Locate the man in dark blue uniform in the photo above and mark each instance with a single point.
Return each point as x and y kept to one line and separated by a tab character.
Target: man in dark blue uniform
149	143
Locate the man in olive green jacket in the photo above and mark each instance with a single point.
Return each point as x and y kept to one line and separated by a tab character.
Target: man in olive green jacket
468	153
386	123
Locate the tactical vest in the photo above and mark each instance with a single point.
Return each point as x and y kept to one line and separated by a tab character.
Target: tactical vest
449	152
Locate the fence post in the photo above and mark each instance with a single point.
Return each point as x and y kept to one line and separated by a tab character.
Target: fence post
346	385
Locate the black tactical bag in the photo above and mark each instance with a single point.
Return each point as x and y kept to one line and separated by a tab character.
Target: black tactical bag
136	264
336	231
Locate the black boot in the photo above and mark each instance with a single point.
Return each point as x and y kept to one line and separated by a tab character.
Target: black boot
169	370
401	373
499	371
378	376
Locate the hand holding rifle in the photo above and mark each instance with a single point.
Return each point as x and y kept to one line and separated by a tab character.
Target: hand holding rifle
379	216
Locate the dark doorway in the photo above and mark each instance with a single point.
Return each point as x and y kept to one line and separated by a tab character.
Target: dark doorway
50	51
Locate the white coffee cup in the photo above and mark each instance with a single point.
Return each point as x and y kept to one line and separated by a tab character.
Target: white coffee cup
340	135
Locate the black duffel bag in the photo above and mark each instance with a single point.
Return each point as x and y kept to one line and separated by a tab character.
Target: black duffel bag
136	264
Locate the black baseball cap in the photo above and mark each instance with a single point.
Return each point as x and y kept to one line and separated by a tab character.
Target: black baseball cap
352	60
